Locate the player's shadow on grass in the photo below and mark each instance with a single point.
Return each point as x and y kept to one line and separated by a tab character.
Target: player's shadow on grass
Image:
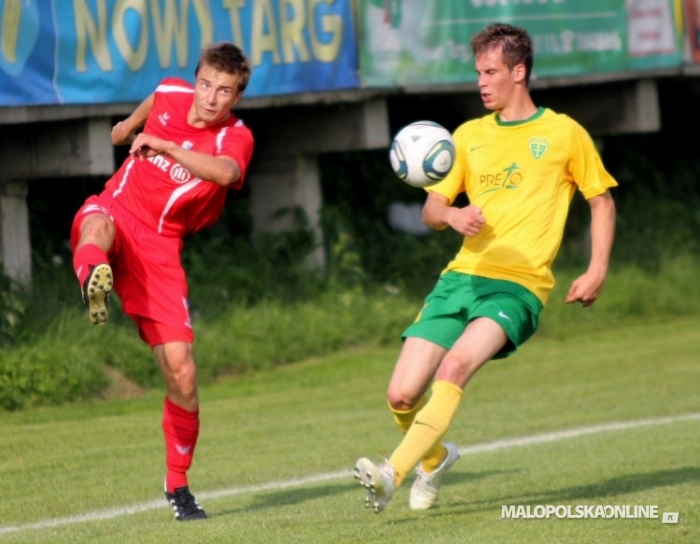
622	485
630	483
277	499
457	478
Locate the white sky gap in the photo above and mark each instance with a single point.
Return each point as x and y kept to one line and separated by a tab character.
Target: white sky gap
329	476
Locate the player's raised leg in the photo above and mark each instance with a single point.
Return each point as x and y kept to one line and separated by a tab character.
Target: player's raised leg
92	236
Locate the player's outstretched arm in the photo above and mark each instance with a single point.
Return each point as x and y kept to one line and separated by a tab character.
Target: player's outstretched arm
221	170
124	132
586	288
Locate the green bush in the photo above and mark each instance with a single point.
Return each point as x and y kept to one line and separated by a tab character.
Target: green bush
630	293
53	372
274	333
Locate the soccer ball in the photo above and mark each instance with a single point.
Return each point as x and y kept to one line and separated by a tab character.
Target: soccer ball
422	153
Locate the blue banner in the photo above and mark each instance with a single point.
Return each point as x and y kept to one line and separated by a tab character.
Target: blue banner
107	51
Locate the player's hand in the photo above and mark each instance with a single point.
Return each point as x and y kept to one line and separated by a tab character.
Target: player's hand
585	289
467	221
146	146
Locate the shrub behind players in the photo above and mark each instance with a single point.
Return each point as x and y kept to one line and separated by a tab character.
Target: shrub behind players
191	152
519	167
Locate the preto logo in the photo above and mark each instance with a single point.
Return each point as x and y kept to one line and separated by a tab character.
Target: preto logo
508	178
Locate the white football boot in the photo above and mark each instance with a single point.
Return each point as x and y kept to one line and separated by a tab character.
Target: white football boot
378	481
424	491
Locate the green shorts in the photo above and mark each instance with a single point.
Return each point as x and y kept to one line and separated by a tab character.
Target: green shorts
460	298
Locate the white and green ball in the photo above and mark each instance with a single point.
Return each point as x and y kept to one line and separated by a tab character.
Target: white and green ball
422	153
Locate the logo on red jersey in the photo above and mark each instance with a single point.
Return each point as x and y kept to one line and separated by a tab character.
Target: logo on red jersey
179	174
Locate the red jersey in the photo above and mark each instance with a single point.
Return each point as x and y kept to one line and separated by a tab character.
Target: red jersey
159	191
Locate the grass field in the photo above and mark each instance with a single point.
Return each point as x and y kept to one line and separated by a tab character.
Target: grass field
601	419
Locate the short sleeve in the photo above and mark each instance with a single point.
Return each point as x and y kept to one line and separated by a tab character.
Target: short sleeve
237	143
585	165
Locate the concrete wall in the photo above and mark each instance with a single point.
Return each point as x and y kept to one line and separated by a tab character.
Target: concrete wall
15	247
43	150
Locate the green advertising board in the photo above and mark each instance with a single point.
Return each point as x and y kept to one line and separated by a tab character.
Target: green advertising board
426	42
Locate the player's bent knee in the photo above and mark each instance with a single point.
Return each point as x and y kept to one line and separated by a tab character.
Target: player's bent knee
95	228
402	400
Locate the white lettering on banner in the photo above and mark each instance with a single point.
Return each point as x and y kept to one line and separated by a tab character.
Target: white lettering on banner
503	3
599	41
568	41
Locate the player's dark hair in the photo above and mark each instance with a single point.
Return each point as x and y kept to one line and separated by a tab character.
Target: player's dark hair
514	41
226	57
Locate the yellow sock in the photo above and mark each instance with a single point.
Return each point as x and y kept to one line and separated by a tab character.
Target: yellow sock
404	420
430	424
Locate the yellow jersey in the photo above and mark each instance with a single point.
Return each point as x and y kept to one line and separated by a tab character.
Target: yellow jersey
522	175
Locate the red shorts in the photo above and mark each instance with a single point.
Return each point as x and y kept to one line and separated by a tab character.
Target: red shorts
148	274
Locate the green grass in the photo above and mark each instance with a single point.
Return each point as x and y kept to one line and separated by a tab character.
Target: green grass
316	417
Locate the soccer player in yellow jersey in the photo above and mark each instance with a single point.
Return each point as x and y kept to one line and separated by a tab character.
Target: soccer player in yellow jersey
519	167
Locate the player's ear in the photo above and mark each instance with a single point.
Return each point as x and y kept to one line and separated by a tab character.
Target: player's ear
519	72
236	98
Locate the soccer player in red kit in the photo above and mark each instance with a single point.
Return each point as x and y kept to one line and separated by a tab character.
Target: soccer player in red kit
191	151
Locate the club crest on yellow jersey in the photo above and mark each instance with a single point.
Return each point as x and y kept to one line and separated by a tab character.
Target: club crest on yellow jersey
538	146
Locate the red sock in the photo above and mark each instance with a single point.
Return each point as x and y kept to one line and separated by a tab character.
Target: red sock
83	257
181	429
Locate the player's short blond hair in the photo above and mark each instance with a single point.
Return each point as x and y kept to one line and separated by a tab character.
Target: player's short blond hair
229	58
